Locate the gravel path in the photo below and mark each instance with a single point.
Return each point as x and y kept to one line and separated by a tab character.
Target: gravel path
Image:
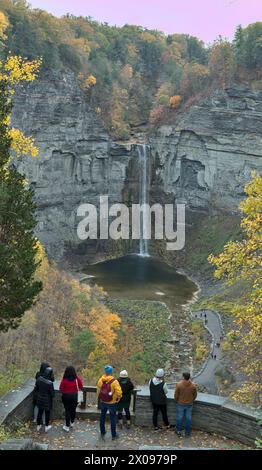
212	322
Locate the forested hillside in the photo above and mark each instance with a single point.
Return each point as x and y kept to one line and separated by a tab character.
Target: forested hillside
132	76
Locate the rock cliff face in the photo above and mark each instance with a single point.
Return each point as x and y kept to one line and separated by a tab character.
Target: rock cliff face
77	161
204	160
207	157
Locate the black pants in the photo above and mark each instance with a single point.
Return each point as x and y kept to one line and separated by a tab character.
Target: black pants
70	403
163	410
41	411
120	414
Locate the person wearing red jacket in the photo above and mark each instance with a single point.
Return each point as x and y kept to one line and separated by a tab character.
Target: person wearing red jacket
70	385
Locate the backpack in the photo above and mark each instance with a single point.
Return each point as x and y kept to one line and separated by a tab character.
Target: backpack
105	393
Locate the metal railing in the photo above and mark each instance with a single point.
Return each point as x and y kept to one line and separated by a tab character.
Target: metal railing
90	398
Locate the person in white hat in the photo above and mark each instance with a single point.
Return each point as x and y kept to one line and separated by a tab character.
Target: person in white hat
124	404
158	393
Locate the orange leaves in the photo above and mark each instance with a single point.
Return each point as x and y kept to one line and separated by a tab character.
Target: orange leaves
175	101
156	115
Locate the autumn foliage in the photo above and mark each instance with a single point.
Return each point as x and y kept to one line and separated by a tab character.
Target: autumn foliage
240	265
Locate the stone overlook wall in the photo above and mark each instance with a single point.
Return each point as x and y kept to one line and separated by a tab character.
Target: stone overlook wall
211	413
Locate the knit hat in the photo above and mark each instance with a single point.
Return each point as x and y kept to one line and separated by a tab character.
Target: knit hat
160	373
108	370
123	373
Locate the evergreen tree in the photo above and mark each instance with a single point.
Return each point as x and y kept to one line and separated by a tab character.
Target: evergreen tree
18	245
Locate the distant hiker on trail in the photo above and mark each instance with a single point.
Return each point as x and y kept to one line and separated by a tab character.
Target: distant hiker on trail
109	393
185	394
124	403
158	394
70	385
44	397
42	369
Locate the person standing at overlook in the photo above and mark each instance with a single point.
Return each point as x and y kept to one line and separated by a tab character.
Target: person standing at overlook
158	394
109	393
124	404
70	385
45	392
185	395
40	372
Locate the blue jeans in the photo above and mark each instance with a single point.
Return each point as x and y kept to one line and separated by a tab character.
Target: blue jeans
182	410
112	412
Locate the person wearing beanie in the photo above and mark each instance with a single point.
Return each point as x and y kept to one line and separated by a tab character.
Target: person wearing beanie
124	404
158	394
109	394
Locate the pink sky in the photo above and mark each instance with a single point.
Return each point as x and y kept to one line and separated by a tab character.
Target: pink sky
205	19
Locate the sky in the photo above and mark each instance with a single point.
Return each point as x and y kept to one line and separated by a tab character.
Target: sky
206	19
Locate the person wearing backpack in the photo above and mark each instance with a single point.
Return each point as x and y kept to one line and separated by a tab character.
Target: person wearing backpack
70	385
124	404
109	393
158	394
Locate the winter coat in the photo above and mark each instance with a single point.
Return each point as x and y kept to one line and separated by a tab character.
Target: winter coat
40	373
115	388
44	393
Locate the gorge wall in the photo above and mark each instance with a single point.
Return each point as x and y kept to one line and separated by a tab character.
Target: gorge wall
207	157
204	159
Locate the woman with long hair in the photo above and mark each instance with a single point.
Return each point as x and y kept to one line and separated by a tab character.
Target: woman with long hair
70	385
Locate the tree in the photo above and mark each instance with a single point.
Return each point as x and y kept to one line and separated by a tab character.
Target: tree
83	344
175	101
221	63
241	261
18	245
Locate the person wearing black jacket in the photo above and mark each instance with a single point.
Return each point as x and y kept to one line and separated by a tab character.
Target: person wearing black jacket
124	404
39	373
158	395
45	392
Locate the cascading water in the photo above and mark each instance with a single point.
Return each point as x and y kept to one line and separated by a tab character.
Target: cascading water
144	167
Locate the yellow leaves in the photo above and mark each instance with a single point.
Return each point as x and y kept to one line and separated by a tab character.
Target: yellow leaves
147	37
21	144
16	70
90	82
104	324
242	260
4	23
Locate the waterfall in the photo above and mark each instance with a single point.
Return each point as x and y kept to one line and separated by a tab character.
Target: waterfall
144	178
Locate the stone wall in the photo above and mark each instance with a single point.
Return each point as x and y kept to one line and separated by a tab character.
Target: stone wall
211	413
